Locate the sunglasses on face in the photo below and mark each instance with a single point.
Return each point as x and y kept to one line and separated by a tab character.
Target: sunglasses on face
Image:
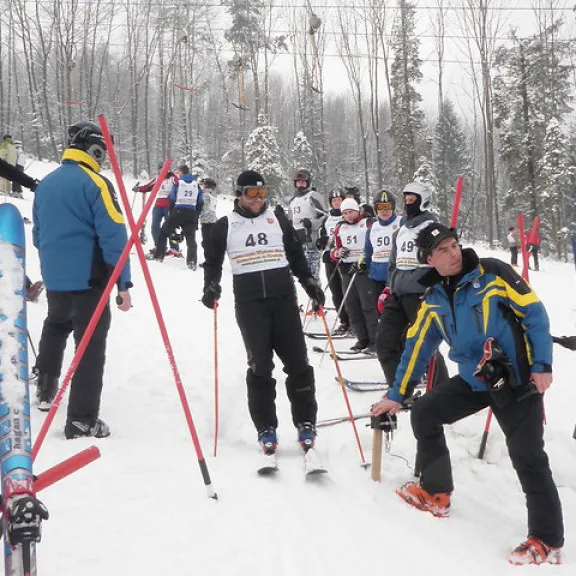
255	192
384	206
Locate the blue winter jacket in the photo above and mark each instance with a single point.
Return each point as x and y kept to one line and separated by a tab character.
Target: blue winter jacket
490	300
378	270
174	195
78	226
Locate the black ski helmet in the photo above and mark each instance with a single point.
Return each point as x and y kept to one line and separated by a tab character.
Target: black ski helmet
337	192
353	191
384	197
87	136
303	174
208	183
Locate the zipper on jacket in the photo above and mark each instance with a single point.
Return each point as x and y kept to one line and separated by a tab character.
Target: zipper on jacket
263	284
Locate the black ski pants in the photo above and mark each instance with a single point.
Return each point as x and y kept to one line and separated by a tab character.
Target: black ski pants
360	306
206	230
335	286
71	312
180	218
521	421
273	325
377	287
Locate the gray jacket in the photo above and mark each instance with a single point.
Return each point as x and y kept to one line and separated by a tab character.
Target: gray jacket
407	281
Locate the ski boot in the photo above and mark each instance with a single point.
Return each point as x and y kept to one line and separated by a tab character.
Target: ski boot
306	435
268	440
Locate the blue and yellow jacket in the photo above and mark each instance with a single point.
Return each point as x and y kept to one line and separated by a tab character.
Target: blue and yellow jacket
489	300
78	226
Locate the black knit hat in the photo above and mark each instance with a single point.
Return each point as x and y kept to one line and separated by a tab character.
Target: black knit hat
248	178
431	237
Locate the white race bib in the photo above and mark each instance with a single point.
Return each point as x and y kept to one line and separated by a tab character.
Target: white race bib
353	237
187	194
300	208
381	240
406	250
166	188
255	244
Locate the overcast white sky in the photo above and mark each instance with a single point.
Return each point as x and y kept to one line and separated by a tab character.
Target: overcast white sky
508	14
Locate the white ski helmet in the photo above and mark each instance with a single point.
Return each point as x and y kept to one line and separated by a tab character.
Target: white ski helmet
422	190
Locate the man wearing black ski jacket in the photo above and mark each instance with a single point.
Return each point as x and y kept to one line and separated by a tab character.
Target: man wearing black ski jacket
264	253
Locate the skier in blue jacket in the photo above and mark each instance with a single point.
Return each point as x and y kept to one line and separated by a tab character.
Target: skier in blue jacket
499	336
186	202
80	233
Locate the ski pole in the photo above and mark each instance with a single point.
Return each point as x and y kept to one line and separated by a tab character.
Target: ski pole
326	286
81	348
340	420
340	308
134	227
216	392
341	379
32	346
484	440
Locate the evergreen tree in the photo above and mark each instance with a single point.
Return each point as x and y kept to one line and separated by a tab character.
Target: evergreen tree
531	88
407	116
198	164
263	155
302	154
449	155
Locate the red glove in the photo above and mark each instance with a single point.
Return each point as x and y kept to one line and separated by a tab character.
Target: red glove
382	299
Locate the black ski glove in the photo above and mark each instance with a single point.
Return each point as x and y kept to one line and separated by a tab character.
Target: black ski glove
212	293
24	517
321	242
358	268
306	223
315	293
135	187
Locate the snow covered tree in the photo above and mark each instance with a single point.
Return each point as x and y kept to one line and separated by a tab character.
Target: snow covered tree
407	115
556	175
531	88
302	154
425	174
449	155
263	155
198	163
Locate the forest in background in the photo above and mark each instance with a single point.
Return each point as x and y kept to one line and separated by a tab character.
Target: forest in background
200	82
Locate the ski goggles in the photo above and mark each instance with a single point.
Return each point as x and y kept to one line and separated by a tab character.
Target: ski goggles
252	192
384	206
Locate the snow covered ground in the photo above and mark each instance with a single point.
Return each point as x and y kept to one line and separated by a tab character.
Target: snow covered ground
142	508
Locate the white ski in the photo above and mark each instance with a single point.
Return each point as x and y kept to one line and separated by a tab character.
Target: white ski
312	465
268	464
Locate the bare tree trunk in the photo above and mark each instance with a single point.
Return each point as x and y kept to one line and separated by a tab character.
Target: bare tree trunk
348	25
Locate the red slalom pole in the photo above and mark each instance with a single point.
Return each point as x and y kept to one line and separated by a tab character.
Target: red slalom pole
134	228
457	198
525	273
534	230
216	386
341	379
65	468
95	318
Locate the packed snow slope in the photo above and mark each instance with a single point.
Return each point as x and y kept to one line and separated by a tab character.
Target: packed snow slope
142	508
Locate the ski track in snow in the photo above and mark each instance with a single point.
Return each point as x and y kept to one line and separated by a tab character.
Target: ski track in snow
142	508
